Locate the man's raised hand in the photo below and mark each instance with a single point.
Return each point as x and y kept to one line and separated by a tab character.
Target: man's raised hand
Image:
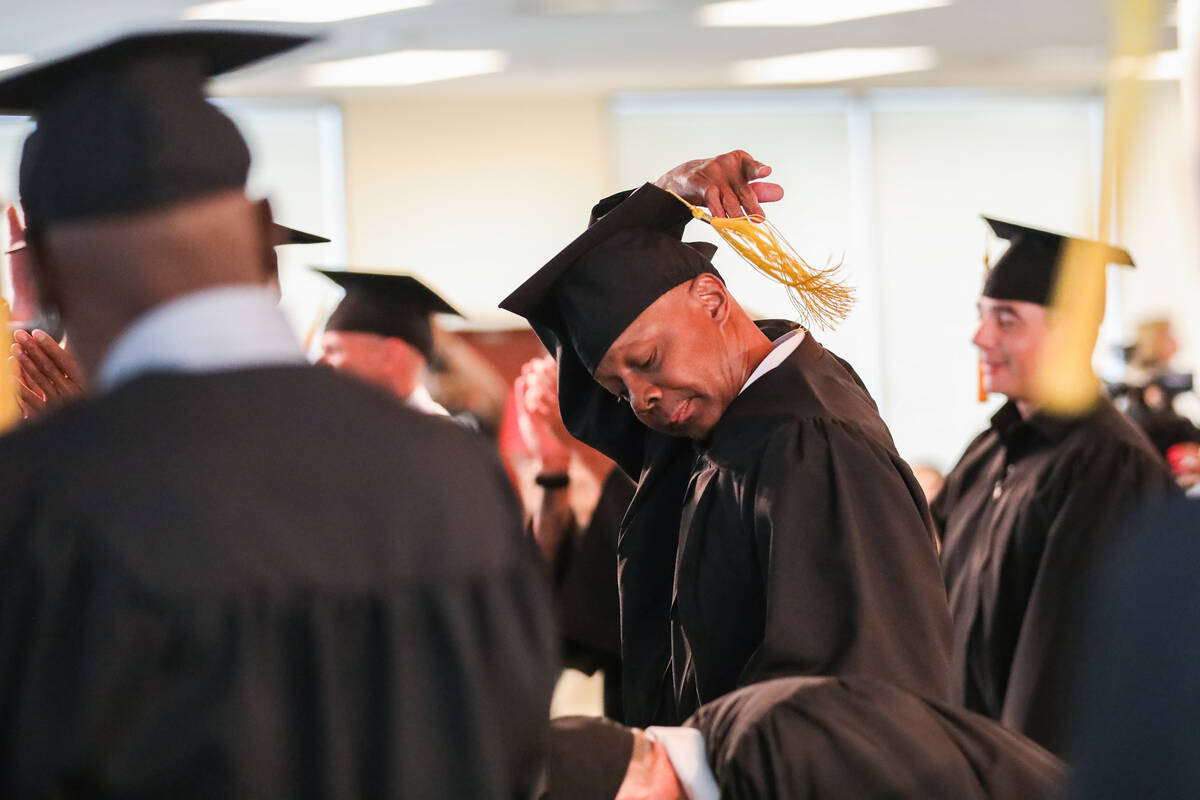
729	185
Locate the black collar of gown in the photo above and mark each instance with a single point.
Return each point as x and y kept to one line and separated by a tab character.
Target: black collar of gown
1041	426
765	400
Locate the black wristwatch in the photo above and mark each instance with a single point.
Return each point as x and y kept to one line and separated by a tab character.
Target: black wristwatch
553	480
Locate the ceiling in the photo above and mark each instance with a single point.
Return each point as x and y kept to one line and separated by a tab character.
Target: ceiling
560	47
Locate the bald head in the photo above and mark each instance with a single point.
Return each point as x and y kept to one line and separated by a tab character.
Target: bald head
104	273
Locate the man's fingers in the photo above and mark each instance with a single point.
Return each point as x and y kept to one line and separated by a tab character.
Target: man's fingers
749	201
61	357
733	208
38	368
34	352
712	199
767	192
16	231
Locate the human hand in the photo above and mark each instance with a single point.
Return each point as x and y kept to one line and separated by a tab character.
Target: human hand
725	183
25	303
48	376
538	417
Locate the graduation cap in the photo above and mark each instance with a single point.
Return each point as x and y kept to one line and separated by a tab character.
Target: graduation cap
125	126
1029	268
387	305
285	235
590	292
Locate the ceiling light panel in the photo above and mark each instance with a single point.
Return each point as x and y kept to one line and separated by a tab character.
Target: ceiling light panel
406	67
14	60
827	66
297	10
798	13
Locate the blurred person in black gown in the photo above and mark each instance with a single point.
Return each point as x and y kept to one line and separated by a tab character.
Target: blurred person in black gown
775	530
1031	505
804	739
381	333
581	554
225	572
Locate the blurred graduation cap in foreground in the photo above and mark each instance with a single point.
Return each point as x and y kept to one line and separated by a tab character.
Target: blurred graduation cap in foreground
125	126
390	305
1030	266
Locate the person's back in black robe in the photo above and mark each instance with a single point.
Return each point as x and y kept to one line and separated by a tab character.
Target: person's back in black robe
1024	515
853	738
264	583
1138	732
794	540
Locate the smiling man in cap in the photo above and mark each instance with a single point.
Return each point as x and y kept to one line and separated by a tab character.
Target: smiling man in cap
211	584
1032	504
775	530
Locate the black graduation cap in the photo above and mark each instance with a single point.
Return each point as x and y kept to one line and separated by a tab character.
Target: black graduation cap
286	235
125	126
1028	269
387	305
589	293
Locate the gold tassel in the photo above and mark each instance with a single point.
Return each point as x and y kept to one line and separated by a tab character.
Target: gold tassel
10	412
820	298
1064	382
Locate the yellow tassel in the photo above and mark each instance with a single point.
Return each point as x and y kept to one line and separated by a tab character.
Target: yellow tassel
1064	382
10	413
820	298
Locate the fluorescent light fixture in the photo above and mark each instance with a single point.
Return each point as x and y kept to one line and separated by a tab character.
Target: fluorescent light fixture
14	60
826	66
765	13
405	67
1163	66
297	10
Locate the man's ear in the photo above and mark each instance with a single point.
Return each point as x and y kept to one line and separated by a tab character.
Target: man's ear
266	234
46	278
709	291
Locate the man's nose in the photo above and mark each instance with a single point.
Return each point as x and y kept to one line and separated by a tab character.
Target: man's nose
644	397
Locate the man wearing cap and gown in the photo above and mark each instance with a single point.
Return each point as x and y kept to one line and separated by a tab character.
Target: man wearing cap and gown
774	530
380	332
48	374
228	573
1032	503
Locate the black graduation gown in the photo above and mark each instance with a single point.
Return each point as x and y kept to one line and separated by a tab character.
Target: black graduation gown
1024	514
588	603
265	583
854	738
1139	732
793	541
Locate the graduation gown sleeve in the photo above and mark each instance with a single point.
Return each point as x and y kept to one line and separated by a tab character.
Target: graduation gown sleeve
1091	497
852	583
852	738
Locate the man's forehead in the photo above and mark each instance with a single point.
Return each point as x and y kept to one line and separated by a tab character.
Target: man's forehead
643	332
1019	308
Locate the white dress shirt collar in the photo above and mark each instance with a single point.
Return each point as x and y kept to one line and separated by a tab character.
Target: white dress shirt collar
212	330
784	346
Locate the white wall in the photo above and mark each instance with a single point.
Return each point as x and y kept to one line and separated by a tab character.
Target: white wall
471	195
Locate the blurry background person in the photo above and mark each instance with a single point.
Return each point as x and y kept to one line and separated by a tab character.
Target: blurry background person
575	531
804	739
228	573
380	333
1149	391
1031	504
